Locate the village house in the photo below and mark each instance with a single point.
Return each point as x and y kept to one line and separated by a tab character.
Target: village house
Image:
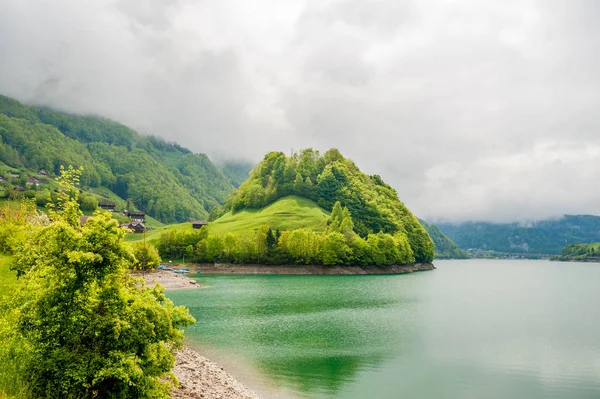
136	216
1	179
42	172
33	181
107	206
15	175
136	227
198	224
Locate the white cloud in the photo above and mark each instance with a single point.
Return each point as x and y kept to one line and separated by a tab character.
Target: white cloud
472	110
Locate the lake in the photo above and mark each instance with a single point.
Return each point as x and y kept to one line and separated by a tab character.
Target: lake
470	329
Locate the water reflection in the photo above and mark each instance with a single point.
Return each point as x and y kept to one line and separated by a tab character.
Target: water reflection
310	335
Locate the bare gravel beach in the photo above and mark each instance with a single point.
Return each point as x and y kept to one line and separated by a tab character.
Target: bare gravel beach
201	378
168	279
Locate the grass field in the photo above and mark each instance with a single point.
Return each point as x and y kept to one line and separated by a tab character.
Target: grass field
285	214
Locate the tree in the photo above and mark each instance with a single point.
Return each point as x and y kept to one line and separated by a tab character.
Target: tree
146	256
80	326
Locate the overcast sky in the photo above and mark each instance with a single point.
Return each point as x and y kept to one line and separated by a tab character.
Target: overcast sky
471	109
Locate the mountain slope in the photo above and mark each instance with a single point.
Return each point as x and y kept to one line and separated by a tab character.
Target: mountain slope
163	179
542	237
374	206
287	213
445	248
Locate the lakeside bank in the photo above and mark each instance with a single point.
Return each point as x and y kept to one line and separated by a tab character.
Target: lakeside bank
229	268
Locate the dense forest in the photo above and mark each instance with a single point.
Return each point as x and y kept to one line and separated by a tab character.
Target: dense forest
541	237
163	179
329	178
445	248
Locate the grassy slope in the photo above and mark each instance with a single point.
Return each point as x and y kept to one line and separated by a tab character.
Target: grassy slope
284	214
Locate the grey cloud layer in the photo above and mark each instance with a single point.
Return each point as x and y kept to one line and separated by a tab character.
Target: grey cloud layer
471	109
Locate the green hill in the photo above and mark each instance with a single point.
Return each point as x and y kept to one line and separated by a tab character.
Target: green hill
580	253
167	181
374	206
445	248
287	213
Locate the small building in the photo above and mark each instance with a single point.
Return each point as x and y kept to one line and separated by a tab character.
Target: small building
32	181
136	227
198	224
107	206
136	216
15	175
1	179
83	220
42	172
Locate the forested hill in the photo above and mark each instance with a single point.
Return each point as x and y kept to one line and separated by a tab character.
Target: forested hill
541	237
445	248
374	205
163	179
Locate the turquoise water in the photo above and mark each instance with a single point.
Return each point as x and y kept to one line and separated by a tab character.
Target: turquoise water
471	329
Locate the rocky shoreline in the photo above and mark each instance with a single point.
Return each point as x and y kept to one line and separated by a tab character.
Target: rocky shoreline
200	378
167	279
228	268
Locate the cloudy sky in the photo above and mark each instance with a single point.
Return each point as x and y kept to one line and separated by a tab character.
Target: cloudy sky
481	110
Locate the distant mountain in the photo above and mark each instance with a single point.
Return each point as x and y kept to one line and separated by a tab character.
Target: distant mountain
236	171
541	237
445	248
164	179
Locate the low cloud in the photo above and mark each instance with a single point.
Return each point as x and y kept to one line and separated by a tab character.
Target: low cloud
472	110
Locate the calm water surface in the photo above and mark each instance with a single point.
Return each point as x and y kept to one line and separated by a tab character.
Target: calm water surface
471	329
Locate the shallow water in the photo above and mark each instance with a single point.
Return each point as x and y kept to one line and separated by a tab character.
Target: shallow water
470	329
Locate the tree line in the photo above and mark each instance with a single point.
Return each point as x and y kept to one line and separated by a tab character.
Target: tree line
338	245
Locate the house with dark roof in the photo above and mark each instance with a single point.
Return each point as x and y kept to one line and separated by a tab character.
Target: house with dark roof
198	224
135	227
42	172
32	181
107	206
136	216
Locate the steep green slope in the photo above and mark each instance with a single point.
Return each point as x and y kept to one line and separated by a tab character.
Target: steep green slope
325	179
236	171
288	213
163	179
541	237
445	248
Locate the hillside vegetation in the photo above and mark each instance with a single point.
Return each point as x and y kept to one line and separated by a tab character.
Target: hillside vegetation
373	205
163	179
541	237
580	253
288	213
445	248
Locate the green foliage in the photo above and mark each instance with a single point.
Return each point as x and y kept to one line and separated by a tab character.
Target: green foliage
327	179
76	325
580	253
146	256
445	248
163	179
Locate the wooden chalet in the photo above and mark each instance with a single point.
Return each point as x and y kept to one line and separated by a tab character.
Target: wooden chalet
32	181
42	172
136	227
198	224
136	216
107	206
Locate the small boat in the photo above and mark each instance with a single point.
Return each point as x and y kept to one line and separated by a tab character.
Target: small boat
178	271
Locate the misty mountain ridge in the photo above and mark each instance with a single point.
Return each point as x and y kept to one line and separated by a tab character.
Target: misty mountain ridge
167	181
532	237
